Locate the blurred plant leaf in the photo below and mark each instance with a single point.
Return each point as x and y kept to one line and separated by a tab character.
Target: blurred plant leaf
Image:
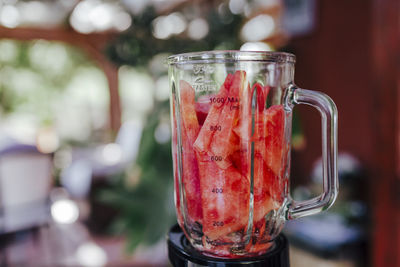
137	46
147	210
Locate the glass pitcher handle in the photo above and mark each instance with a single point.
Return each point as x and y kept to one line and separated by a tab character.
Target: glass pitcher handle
328	111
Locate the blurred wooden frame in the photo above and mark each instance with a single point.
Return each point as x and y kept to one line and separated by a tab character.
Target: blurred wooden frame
94	45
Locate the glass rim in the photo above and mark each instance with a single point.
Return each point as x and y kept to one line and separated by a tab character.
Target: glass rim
220	56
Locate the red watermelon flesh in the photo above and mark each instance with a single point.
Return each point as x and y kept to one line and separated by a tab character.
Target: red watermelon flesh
240	158
270	146
243	128
175	165
202	107
204	137
191	181
261	97
271	135
225	199
190	171
223	140
265	184
216	177
188	111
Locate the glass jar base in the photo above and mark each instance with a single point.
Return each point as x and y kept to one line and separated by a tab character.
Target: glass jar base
181	253
228	250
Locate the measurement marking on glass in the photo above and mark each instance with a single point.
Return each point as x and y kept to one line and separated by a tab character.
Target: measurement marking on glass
204	87
220	100
233	99
202	78
218	223
217	190
215	128
216	158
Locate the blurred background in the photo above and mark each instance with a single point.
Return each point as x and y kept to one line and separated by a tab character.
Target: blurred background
85	160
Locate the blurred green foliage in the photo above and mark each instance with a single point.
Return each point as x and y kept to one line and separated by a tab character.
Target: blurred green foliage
137	46
146	209
52	84
35	69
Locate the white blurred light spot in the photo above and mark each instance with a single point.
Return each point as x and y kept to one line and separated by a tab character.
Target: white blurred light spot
198	29
162	88
237	6
21	127
64	211
156	64
122	21
80	20
255	46
165	26
111	154
137	6
47	141
8	50
161	29
50	57
68	4
178	22
9	16
162	134
9	2
247	10
77	178
136	89
33	12
101	16
90	254
266	3
94	16
258	28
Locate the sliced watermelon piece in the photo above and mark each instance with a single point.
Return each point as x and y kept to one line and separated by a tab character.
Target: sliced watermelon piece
240	158
175	164
272	134
267	137
266	183
190	171
225	200
204	137
188	111
191	181
243	128
261	97
224	140
270	147
202	107
177	198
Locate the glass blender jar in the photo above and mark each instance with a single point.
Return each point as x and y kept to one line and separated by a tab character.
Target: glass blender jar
231	116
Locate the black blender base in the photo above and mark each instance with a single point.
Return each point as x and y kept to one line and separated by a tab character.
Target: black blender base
181	254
